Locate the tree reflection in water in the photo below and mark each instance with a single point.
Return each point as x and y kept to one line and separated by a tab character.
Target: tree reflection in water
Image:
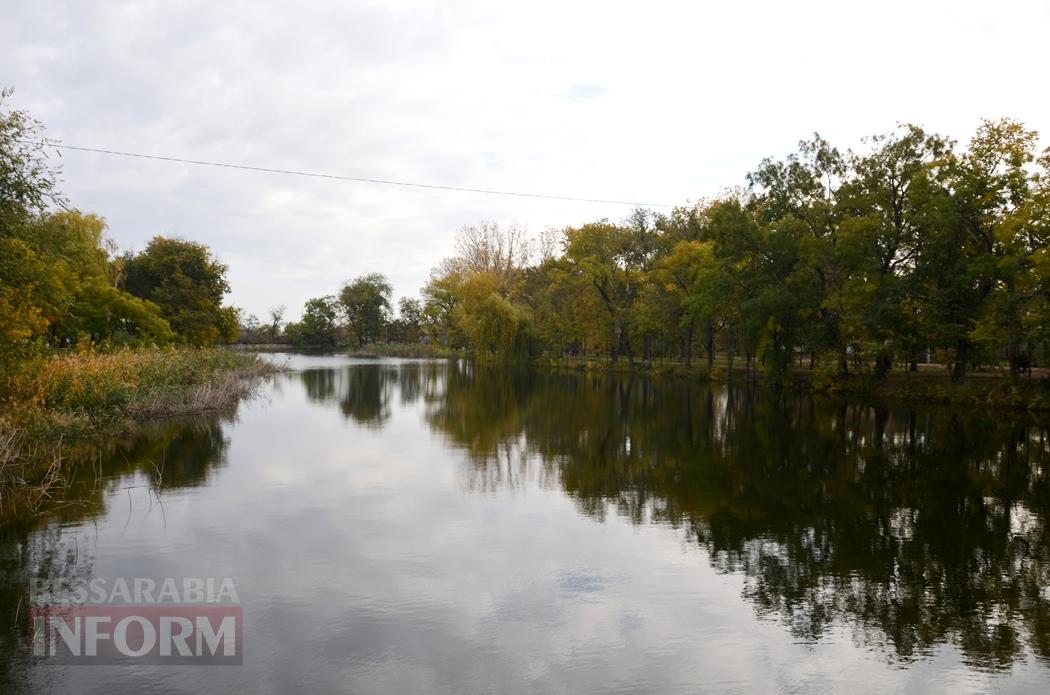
164	456
914	528
362	393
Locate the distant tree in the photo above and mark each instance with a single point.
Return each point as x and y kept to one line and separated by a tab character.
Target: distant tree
276	319
488	248
408	327
495	327
441	296
185	280
252	330
318	325
366	304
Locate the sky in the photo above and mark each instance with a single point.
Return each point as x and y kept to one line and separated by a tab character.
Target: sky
654	102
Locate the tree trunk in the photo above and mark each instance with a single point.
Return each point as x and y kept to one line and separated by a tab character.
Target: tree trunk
625	345
710	349
688	347
959	367
883	362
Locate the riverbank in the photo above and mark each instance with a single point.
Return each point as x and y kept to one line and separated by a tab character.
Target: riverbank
404	350
931	384
55	407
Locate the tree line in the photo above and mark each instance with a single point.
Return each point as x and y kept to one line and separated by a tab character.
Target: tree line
63	283
912	250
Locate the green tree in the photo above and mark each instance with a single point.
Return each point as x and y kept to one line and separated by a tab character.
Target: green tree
795	204
28	184
604	255
441	296
59	284
28	178
992	187
188	283
366	304
889	207
318	325
409	325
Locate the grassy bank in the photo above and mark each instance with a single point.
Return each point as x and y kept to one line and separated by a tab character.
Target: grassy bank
54	407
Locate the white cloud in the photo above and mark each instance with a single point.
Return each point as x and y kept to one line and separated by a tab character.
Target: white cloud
658	101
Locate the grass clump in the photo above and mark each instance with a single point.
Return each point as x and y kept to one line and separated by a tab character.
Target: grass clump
52	405
135	384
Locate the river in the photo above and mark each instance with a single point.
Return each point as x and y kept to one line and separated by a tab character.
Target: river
434	527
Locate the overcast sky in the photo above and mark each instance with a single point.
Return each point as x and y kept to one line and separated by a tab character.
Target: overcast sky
648	101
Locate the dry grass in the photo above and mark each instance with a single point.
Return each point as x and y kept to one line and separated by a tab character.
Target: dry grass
128	382
28	475
51	404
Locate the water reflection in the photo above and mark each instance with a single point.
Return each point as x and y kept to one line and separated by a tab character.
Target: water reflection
159	457
363	394
912	529
915	529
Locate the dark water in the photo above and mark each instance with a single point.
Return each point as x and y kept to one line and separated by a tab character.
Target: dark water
416	527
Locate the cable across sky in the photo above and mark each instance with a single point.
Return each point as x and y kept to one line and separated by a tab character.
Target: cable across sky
338	177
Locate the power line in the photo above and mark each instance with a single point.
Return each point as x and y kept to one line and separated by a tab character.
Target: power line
358	179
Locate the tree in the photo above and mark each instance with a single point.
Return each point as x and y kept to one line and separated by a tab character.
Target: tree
488	248
60	284
252	330
318	325
795	204
857	260
408	328
992	190
495	327
27	185
366	304
185	280
888	208
276	320
603	254
28	180
441	296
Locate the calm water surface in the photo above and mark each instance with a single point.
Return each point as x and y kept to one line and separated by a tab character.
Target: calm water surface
425	527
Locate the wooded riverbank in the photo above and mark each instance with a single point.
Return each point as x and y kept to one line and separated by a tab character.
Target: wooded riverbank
930	384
